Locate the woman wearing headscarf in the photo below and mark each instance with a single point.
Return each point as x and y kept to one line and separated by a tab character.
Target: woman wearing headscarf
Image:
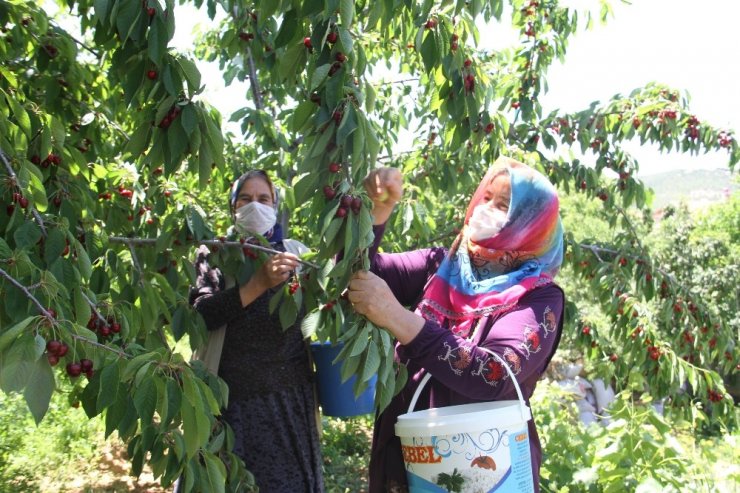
271	404
493	288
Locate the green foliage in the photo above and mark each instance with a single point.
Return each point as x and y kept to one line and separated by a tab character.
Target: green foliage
345	446
637	449
66	440
112	168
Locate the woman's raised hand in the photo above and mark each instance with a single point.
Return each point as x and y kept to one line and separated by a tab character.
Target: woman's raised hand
277	269
384	186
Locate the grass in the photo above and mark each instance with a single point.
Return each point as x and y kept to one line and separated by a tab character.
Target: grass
345	445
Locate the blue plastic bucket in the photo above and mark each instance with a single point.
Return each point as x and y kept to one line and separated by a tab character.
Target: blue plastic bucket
336	398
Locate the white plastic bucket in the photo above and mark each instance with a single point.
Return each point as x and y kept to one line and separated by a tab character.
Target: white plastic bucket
486	445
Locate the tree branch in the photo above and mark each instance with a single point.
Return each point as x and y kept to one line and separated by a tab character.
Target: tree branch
28	294
14	177
233	244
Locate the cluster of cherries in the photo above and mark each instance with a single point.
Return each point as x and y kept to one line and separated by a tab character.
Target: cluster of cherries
52	158
171	115
57	349
103	327
19	199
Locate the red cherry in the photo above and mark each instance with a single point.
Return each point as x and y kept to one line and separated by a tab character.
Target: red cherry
329	192
62	350
53	347
86	365
337	117
467	62
331	37
489	128
23	202
341	212
356	205
167	193
115	327
340	57
74	369
246	36
345	201
334	167
53	359
307	43
151	11
151	74
586	330
104	331
613	357
57	200
455	37
293	288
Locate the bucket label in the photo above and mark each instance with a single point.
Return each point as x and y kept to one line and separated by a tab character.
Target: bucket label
417	455
487	461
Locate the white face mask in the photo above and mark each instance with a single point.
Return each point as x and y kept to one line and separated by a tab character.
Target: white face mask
255	218
485	222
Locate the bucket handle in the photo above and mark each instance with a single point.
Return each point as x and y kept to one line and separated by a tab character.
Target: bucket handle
523	405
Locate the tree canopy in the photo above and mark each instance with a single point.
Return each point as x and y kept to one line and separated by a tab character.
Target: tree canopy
113	168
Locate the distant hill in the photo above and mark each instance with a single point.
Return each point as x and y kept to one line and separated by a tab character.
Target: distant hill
697	188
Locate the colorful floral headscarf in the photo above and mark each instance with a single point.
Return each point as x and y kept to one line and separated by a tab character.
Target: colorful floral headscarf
469	283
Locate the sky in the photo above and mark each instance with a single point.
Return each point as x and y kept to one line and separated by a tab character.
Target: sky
690	45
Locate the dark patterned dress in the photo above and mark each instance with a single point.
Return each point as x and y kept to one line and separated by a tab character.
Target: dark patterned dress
271	406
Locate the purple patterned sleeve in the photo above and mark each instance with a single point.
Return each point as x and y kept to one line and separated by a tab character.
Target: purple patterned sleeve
405	273
525	338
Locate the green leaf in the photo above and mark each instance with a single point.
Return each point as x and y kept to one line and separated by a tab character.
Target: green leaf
109	386
21	116
27	235
82	307
347	12
138	141
116	411
39	389
189	428
301	115
192	74
157	40
216	473
288	29
310	323
83	260
8	336
319	75
145	399
288	312
189	119
372	362
38	192
54	245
